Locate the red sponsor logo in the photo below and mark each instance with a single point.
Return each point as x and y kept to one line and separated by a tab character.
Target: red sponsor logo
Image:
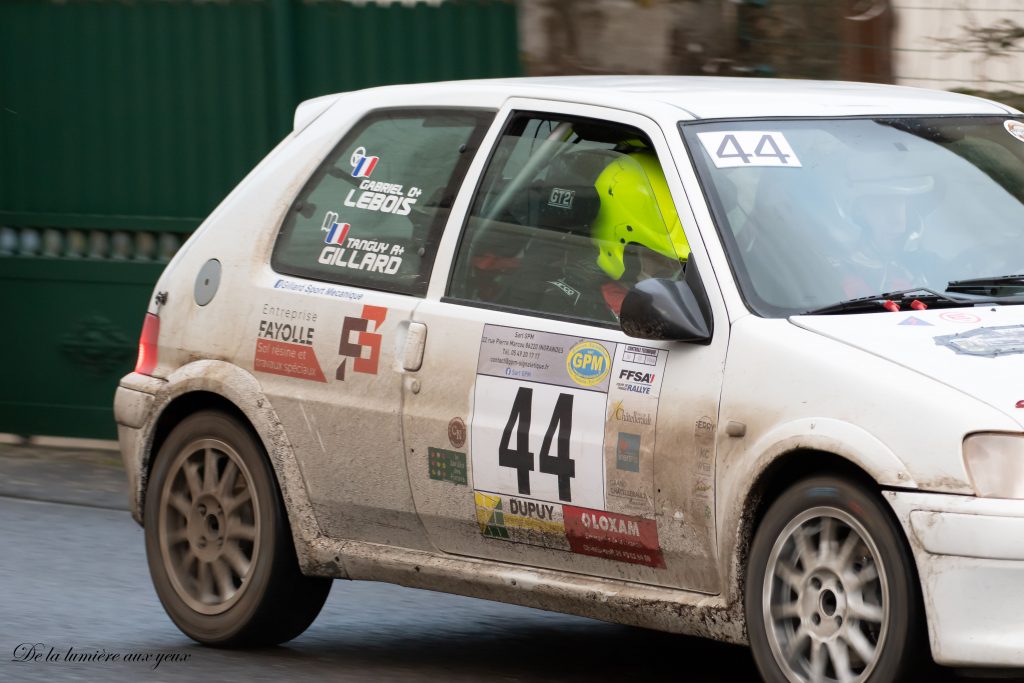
285	358
621	538
367	337
958	317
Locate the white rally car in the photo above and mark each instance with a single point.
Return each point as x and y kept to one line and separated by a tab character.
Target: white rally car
733	358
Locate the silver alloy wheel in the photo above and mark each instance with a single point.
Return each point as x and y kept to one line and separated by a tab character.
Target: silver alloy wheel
825	598
209	526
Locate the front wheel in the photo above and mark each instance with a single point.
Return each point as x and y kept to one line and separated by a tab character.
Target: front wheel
831	593
218	542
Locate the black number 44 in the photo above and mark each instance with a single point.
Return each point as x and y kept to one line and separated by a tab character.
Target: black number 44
521	458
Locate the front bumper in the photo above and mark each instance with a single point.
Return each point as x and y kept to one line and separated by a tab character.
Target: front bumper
133	408
970	558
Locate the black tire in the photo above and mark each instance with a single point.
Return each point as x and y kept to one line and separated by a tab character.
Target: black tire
824	603
218	542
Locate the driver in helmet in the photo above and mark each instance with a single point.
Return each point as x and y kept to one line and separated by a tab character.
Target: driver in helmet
888	255
636	233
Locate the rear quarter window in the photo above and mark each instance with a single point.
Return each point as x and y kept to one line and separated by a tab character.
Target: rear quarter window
372	213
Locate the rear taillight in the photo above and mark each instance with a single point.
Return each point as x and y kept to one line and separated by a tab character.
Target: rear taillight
147	345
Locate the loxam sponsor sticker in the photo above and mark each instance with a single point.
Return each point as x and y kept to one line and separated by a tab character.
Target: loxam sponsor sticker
612	536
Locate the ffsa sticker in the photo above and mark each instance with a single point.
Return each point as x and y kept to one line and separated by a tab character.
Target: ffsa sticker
732	149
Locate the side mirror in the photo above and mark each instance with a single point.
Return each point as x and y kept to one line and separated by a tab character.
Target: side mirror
667	309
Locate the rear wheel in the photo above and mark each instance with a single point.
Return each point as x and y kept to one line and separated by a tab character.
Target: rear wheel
831	592
218	541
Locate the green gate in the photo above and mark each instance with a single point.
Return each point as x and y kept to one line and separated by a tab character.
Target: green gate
124	122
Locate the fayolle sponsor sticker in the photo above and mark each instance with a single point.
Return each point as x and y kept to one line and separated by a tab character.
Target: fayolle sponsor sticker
1015	128
986	341
284	343
566	420
445	465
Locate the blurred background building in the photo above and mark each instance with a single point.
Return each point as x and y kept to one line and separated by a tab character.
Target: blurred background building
124	122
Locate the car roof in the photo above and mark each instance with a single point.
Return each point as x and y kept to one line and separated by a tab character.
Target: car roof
711	97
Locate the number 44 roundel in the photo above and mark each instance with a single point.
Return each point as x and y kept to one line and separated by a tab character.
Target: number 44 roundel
729	149
539	441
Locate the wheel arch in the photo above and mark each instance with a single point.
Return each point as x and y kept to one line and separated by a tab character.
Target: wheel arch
778	473
218	385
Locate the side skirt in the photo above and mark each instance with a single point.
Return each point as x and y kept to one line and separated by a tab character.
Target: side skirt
662	609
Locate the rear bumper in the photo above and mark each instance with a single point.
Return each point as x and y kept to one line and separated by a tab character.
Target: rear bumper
133	407
970	558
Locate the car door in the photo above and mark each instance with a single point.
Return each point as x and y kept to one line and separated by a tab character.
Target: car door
536	431
329	313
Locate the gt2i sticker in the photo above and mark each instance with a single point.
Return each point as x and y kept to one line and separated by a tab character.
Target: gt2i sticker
365	349
730	149
561	199
357	254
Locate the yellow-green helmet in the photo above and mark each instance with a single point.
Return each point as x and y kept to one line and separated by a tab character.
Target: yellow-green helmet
636	206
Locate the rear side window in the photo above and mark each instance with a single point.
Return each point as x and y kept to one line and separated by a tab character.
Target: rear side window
373	212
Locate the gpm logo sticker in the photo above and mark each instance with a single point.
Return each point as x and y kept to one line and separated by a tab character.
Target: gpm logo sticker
588	363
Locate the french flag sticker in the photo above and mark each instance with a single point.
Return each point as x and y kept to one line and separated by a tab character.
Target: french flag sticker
337	234
363	165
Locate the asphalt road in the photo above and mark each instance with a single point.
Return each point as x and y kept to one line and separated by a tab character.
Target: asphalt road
73	578
73	582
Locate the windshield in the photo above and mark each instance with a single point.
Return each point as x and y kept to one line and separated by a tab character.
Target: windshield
817	211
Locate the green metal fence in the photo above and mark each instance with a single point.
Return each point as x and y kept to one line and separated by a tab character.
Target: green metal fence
124	122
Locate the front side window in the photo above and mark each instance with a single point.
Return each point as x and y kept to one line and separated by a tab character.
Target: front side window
569	215
372	213
815	212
